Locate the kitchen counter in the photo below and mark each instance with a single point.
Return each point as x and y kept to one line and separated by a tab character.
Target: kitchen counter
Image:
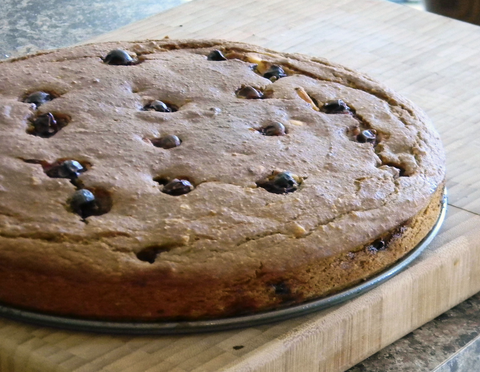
450	342
27	26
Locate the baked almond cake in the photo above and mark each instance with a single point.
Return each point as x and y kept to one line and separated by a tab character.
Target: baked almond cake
169	180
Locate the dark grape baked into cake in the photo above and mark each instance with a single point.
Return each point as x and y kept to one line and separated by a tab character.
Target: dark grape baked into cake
186	179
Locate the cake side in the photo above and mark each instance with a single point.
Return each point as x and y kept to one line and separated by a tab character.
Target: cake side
180	292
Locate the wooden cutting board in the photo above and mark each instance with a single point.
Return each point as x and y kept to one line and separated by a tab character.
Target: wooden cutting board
433	61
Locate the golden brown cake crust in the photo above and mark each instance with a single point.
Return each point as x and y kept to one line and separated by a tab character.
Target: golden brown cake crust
228	246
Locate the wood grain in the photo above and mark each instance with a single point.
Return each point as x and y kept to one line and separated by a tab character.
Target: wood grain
432	60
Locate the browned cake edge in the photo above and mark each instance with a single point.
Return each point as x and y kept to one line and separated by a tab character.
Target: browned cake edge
161	295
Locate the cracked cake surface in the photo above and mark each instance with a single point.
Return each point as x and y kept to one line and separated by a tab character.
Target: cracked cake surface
195	179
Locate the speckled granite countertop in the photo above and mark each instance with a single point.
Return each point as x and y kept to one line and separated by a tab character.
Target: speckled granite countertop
29	25
449	343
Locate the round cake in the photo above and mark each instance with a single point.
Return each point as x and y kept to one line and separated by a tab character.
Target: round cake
187	179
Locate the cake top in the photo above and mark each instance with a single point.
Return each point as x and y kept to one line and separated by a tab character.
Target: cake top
161	153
